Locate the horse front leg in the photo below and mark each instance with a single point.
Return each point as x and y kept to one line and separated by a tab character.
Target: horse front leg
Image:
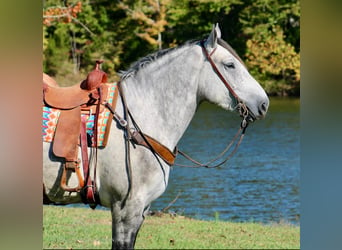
126	222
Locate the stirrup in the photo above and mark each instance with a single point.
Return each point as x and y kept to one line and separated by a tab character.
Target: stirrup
74	167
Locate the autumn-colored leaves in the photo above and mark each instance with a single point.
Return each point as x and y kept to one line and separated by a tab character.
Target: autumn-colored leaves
61	14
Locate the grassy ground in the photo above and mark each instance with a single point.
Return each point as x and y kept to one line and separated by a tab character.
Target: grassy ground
80	228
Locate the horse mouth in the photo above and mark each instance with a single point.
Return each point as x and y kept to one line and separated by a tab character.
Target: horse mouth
251	117
247	114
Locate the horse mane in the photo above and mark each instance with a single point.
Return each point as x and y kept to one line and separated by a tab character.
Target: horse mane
142	62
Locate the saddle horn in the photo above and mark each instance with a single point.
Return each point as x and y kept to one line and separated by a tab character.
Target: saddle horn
95	78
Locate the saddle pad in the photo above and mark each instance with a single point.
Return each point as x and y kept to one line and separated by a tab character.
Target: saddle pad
50	119
51	115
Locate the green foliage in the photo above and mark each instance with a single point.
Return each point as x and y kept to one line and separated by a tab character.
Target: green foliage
150	18
71	48
271	57
273	45
264	32
193	19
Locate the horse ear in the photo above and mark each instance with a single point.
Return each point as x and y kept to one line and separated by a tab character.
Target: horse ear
215	33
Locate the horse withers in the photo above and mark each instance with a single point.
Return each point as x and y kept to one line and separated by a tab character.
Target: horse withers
160	95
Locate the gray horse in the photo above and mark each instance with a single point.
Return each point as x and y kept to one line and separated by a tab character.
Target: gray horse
162	91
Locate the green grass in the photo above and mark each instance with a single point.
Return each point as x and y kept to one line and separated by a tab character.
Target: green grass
80	228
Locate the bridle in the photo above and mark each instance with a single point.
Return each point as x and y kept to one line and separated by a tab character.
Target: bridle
243	110
244	113
137	137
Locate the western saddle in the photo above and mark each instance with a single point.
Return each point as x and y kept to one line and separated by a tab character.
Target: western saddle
71	128
88	97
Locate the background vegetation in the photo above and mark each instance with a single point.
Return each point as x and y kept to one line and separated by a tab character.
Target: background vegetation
265	33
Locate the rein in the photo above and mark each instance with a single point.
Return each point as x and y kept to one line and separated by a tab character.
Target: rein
240	132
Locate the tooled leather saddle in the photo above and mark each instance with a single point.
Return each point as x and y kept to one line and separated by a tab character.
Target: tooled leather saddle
70	131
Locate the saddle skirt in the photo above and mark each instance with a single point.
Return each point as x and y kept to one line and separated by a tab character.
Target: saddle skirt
51	117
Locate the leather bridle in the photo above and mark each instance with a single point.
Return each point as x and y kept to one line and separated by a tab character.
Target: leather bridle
243	110
136	136
217	71
244	113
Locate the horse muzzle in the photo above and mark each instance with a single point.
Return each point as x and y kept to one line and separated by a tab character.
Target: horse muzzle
256	114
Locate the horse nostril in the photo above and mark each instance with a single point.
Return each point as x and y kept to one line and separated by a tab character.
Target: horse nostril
263	108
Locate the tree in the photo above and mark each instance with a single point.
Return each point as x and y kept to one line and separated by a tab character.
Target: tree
193	19
150	17
73	40
54	16
273	44
265	33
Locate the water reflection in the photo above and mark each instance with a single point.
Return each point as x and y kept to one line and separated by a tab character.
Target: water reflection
260	183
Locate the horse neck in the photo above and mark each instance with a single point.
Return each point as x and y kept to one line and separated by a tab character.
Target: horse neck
162	96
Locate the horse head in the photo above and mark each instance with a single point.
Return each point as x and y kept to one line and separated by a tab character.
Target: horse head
229	83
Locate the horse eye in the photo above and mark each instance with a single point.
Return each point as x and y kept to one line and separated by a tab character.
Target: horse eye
230	65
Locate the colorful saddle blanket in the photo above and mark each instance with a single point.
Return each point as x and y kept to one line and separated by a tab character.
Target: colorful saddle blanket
51	115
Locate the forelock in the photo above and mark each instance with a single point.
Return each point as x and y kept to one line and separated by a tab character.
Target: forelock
225	45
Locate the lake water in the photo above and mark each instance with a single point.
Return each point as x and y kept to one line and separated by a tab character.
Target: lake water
260	183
